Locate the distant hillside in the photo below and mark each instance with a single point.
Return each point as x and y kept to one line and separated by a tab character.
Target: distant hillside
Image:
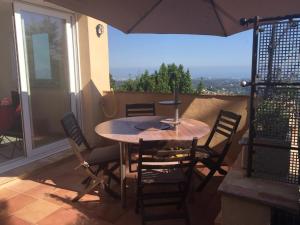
196	80
222	85
216	86
213	72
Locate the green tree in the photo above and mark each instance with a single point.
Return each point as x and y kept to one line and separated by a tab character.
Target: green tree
112	82
129	85
185	82
173	76
146	82
200	87
161	81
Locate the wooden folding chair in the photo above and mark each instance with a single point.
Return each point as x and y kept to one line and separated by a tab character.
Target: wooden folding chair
164	177
226	125
140	109
137	109
106	159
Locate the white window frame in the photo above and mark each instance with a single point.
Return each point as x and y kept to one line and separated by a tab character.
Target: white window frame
23	72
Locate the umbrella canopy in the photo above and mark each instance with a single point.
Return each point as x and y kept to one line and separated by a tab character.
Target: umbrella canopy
207	17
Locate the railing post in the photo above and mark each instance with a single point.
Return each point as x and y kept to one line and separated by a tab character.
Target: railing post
252	95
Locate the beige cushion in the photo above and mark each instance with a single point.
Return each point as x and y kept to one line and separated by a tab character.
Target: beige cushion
104	155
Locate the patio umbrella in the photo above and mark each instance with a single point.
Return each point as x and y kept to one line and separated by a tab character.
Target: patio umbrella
206	17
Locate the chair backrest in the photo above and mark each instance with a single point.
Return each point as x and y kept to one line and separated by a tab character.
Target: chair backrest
76	139
73	131
157	155
140	109
226	125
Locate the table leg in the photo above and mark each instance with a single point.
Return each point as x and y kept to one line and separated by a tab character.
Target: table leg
123	174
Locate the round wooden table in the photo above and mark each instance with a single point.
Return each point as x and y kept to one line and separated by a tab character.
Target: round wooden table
132	129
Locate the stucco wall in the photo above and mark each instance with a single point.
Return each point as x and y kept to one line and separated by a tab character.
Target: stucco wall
239	211
204	108
94	70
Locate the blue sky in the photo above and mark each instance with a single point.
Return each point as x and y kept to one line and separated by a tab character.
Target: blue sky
205	56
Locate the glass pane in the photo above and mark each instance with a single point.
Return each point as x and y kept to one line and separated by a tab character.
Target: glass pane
11	135
47	65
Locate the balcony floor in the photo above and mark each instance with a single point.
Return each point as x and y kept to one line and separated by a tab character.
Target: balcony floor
45	198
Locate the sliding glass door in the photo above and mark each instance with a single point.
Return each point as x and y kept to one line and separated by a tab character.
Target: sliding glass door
47	71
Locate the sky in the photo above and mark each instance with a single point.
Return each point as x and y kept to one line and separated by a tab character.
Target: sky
204	56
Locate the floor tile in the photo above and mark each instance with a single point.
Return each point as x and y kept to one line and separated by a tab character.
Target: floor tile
129	217
12	220
61	197
16	203
41	191
6	194
22	185
46	198
36	211
70	216
106	207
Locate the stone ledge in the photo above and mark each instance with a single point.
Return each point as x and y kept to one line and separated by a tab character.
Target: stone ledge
271	193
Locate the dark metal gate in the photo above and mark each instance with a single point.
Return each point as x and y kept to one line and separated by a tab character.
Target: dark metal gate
274	132
281	217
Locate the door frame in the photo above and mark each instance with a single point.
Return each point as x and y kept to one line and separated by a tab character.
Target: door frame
24	79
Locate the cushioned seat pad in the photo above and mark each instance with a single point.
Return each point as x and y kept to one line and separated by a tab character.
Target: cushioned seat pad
104	154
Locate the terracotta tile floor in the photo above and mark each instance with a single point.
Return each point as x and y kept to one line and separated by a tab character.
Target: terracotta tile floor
44	198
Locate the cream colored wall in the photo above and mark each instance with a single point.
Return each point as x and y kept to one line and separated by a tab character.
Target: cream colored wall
204	108
94	70
239	211
8	71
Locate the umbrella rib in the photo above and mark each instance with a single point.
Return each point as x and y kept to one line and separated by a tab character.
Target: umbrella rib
144	16
218	16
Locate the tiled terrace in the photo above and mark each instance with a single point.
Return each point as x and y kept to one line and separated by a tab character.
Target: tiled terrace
44	197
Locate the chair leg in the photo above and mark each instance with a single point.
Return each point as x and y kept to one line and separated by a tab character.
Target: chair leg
88	180
187	216
142	214
143	221
137	203
137	206
92	186
130	162
110	173
111	192
205	181
12	143
112	176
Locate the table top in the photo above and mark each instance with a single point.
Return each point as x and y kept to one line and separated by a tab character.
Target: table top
124	129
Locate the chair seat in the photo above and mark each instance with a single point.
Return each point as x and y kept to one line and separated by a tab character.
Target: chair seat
205	152
134	149
163	177
104	155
